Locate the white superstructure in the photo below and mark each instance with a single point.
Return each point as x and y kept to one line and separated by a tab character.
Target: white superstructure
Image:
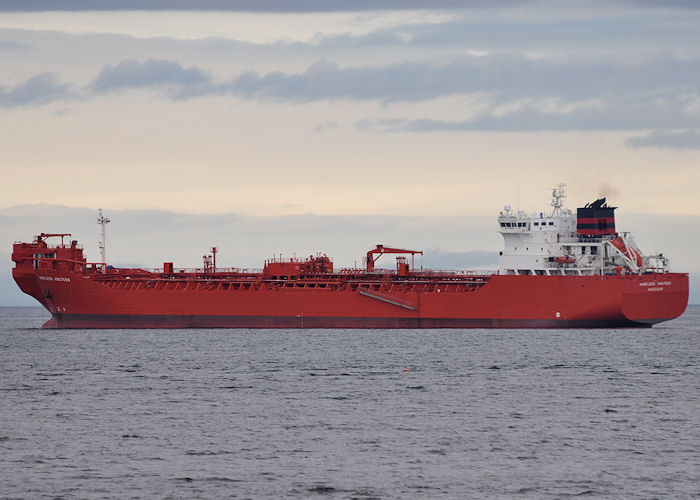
551	244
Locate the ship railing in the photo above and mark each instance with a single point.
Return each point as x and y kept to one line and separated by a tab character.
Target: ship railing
293	260
590	239
200	270
53	247
655	269
221	271
457	272
419	272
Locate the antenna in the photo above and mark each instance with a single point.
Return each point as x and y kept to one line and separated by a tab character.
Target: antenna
558	195
102	221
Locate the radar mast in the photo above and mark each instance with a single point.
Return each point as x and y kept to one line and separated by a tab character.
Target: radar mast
102	221
558	195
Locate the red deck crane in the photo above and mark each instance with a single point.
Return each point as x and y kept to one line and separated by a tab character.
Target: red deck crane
381	250
43	236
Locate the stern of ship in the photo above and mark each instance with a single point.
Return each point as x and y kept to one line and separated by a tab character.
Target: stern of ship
655	297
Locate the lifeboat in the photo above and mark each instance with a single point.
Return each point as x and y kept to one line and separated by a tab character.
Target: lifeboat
630	252
565	259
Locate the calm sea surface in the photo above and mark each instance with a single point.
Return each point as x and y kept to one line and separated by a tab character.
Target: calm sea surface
348	413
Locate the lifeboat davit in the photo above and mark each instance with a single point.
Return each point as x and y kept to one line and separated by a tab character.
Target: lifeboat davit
630	252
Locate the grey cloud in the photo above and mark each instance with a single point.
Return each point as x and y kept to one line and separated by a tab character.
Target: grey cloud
327	126
388	37
298	6
664	29
518	93
65	112
39	89
250	5
654	4
679	140
8	45
326	80
506	76
45	88
613	115
134	74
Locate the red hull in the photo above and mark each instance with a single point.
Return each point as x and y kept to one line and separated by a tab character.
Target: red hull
504	301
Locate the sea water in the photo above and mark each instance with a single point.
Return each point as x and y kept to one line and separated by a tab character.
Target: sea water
349	413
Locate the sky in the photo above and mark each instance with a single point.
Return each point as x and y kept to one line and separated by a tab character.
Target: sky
273	109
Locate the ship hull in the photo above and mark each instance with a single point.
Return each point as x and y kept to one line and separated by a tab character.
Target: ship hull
505	301
109	321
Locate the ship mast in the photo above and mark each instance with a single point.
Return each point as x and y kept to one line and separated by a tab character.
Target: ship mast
102	221
558	195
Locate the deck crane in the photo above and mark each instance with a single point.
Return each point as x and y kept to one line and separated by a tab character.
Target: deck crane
43	236
381	250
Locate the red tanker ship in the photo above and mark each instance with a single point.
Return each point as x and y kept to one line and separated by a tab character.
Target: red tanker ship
557	270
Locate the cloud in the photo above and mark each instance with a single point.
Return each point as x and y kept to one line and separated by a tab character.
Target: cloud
505	76
680	4
65	112
43	88
517	30
250	5
614	113
152	73
665	29
515	93
327	126
299	6
678	140
7	45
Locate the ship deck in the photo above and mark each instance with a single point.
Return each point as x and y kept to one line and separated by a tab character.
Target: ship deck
348	279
